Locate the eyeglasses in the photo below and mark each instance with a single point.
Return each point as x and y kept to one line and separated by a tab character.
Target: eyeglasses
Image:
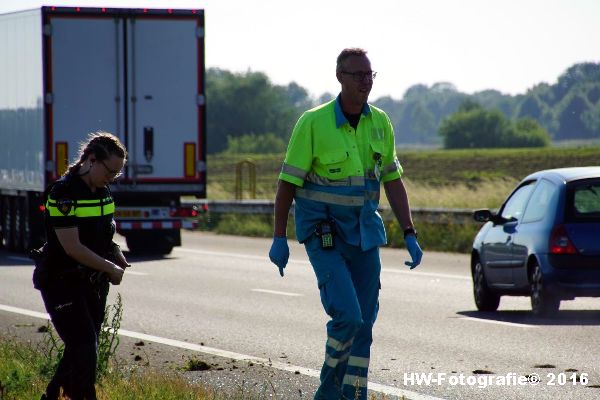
360	76
111	174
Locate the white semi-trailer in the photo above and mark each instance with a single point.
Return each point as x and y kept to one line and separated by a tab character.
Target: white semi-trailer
137	73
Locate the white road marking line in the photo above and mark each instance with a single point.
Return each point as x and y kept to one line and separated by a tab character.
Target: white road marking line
388	390
430	274
27	259
23	311
261	258
491	321
277	292
128	272
229	255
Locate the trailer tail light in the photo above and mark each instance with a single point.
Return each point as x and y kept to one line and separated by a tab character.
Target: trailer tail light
560	243
62	158
42	208
189	159
184	212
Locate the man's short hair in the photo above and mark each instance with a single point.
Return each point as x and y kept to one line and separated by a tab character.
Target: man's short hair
349	52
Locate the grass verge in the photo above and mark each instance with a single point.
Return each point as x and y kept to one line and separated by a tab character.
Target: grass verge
22	377
448	236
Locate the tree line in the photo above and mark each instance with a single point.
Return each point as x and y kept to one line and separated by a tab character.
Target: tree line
246	112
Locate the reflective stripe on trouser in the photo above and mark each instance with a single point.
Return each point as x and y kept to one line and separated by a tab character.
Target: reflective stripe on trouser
348	280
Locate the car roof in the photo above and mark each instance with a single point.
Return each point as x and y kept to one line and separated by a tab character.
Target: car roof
566	174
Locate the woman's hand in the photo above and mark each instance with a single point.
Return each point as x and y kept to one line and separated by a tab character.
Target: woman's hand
116	274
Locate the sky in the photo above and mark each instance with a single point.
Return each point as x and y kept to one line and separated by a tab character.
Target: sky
506	45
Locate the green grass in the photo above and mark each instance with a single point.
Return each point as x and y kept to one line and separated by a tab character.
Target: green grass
22	373
470	179
470	175
22	378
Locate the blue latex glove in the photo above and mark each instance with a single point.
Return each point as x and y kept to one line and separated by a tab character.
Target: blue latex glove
414	250
279	252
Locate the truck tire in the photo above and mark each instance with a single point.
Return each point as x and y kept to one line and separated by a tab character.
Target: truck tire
2	231
25	226
7	224
150	243
17	232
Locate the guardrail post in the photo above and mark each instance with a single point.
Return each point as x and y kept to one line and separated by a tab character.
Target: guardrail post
239	192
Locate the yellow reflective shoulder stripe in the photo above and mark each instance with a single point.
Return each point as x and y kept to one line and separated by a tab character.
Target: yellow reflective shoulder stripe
88	211
96	211
105	200
53	211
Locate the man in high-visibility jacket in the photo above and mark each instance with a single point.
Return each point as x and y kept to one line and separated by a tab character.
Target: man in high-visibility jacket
337	158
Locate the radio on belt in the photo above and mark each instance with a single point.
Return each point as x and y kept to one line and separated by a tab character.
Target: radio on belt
325	230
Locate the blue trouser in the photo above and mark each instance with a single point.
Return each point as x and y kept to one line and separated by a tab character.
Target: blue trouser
348	280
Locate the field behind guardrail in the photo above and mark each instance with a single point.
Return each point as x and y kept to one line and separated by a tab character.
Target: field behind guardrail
438	183
440	178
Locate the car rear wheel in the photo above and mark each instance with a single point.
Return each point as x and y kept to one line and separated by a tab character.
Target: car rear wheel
485	299
543	303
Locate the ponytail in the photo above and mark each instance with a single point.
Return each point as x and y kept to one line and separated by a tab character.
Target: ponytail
102	145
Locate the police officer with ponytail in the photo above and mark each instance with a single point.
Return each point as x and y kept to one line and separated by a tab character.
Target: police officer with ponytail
80	260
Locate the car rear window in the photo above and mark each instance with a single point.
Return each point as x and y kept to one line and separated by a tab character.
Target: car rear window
584	200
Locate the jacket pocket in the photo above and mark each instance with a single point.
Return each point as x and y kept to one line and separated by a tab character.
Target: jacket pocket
334	157
334	162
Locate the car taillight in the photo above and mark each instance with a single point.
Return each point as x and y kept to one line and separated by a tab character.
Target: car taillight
560	242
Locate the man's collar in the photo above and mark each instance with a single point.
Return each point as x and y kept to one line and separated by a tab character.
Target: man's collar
340	118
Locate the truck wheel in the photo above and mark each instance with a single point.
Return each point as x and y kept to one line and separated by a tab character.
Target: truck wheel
25	227
163	246
543	303
2	230
149	243
17	233
135	244
7	223
485	299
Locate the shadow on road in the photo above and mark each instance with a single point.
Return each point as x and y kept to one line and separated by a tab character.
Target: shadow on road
139	258
564	317
14	259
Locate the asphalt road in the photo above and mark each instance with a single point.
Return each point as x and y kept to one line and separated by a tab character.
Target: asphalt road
221	295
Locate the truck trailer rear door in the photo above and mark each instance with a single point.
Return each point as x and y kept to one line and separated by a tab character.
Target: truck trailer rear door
84	86
164	82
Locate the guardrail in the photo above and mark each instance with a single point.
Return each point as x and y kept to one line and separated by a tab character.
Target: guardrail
431	215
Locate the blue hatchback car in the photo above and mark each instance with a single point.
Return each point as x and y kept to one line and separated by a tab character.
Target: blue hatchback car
544	242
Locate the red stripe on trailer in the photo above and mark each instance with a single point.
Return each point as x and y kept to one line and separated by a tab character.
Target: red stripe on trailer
156	225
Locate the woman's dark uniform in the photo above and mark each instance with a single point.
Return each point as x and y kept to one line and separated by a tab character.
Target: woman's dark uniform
74	295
